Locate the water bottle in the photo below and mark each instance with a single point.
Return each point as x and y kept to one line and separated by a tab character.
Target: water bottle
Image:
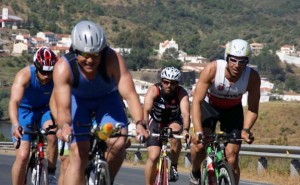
105	131
210	170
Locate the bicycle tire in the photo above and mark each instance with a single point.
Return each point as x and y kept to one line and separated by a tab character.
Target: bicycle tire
204	176
226	175
29	169
165	172
159	175
42	173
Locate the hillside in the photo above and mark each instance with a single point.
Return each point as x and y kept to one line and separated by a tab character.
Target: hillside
197	26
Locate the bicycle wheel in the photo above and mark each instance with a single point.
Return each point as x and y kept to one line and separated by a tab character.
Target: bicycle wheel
41	177
226	175
165	172
206	178
160	173
30	170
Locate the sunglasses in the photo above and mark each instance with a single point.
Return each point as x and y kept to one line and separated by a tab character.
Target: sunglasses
45	72
237	61
87	55
167	82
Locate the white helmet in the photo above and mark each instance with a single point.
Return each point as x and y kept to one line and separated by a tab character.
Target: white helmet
238	48
88	37
171	73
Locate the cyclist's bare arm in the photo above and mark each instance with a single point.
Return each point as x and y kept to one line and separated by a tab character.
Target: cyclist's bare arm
206	78
185	108
62	94
117	70
148	102
21	81
253	100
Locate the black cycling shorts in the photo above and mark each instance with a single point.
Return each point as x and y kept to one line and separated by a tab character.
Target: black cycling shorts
231	119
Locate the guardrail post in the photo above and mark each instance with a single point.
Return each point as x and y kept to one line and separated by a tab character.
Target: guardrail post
295	168
187	160
262	165
137	156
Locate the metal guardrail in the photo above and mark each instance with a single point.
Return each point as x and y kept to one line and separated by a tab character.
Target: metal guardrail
263	151
291	152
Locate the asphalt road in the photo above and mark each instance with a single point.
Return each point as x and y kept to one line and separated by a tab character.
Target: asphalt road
126	176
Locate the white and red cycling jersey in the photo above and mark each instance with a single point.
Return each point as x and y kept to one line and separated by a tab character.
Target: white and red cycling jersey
222	93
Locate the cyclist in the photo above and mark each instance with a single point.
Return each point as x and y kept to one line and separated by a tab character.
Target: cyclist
218	96
90	79
30	95
166	105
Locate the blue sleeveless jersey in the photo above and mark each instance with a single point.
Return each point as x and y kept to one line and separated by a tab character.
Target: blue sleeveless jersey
92	89
36	95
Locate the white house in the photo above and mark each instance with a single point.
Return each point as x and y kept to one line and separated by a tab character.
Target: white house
19	48
166	45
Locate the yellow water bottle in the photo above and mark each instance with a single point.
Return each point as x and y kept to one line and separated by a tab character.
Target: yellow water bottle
105	131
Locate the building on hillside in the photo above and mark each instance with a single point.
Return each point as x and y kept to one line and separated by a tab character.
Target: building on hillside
19	48
123	51
256	48
48	36
193	59
291	96
288	49
197	67
38	42
166	45
8	20
60	50
63	40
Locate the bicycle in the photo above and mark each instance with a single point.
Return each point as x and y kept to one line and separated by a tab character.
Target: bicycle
37	161
215	168
97	171
162	177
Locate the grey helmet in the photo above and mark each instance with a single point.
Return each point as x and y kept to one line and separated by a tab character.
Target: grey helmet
171	73
88	37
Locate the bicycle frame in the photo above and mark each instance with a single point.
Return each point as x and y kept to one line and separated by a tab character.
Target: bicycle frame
166	133
215	160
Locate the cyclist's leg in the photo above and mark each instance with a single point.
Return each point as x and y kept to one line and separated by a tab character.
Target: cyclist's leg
232	121
79	148
209	120
175	148
111	110
22	154
64	160
52	150
153	147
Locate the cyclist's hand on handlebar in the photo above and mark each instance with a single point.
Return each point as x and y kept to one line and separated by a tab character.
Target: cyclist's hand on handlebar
199	138
64	132
247	136
141	132
17	132
187	137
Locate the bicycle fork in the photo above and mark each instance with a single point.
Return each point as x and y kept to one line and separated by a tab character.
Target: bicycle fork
100	165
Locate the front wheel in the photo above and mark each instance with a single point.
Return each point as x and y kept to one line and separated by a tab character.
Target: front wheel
162	175
39	175
226	175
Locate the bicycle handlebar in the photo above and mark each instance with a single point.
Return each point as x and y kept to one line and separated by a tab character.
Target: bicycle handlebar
36	131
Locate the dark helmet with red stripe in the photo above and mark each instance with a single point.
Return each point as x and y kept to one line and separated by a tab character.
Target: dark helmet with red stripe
44	59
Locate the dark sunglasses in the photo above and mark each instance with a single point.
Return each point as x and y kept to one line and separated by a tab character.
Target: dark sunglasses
45	72
237	61
87	55
167	82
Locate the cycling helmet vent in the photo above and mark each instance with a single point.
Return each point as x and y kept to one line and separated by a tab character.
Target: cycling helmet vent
44	59
171	73
238	48
88	37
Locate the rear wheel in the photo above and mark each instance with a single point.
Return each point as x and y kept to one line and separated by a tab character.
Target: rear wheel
226	175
